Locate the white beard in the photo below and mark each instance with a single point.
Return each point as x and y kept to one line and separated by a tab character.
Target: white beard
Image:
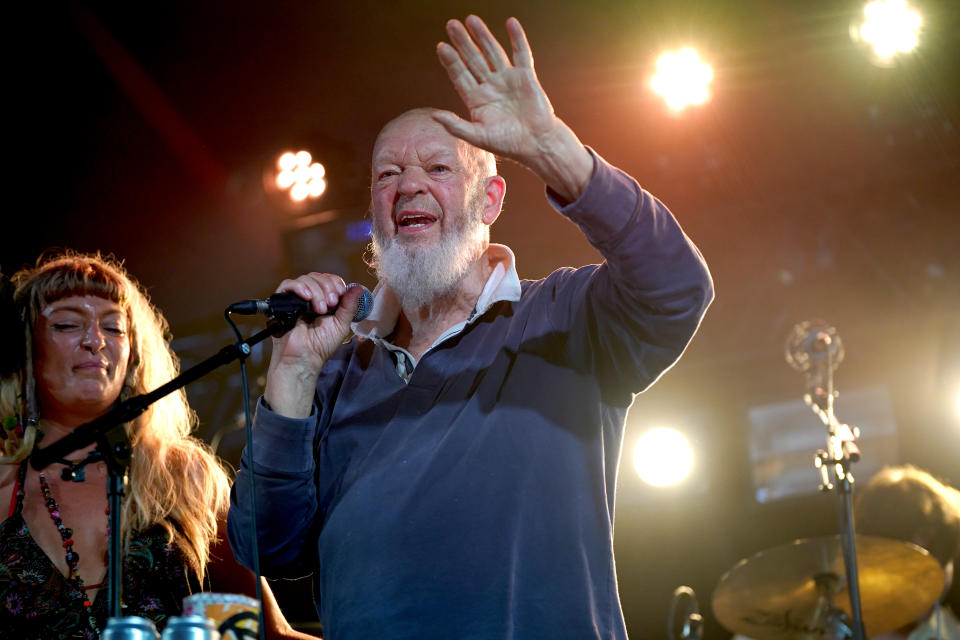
421	275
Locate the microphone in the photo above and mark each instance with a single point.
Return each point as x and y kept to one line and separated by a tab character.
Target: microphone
814	348
288	303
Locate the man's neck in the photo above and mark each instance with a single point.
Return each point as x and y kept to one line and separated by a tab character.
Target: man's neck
419	327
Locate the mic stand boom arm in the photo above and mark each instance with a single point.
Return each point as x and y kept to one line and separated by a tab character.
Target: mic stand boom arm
114	443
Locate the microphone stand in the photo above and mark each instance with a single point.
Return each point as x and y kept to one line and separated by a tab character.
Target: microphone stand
841	451
114	444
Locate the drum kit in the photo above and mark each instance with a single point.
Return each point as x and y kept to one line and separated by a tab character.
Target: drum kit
799	590
838	587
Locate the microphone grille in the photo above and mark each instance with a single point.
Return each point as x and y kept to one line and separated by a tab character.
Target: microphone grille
364	304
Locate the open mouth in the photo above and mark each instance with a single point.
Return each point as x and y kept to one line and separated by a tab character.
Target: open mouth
415	220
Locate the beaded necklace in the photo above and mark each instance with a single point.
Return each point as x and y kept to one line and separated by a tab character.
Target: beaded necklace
66	534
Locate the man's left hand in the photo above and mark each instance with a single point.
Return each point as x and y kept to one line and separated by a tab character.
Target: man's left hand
510	114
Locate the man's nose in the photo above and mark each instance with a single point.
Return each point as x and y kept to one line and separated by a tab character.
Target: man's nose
412	181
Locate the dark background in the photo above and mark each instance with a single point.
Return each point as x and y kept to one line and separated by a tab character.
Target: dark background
817	185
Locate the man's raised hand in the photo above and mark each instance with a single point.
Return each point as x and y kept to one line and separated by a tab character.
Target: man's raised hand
510	114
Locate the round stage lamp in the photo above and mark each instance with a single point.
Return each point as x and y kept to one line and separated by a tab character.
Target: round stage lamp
663	457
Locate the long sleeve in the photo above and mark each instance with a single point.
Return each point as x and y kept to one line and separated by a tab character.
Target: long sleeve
285	496
630	318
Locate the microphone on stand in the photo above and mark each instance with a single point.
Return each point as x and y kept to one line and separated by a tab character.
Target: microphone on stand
288	303
814	349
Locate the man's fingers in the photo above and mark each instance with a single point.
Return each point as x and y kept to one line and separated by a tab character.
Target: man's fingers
494	53
467	50
461	77
458	127
522	56
349	302
323	290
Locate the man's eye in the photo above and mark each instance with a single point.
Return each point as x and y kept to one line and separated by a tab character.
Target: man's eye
439	168
386	174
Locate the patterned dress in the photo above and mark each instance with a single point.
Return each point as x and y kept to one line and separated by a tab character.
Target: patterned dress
38	602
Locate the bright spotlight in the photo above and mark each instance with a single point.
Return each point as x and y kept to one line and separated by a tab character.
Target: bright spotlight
316	188
303	158
682	78
298	173
299	191
287	161
285	179
890	27
663	457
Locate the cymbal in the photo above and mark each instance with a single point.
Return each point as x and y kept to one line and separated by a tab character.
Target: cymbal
773	595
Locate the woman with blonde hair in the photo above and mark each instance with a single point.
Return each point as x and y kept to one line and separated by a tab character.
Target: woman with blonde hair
92	338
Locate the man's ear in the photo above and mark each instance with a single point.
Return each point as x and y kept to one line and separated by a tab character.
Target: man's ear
495	190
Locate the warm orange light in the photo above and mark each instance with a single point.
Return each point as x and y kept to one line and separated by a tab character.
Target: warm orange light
317	187
303	158
285	179
287	161
299	192
890	27
682	79
663	457
301	175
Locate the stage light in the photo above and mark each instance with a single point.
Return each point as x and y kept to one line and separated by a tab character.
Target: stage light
663	457
299	191
890	27
301	175
287	161
682	79
316	188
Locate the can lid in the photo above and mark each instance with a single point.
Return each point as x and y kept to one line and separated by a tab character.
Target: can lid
190	627
191	621
130	628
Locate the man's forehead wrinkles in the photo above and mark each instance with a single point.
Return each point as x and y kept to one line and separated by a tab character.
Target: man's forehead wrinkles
419	153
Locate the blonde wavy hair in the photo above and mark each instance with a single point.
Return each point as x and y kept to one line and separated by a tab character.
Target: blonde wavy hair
175	479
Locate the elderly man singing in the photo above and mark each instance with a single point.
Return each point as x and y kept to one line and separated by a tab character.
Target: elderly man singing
449	472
